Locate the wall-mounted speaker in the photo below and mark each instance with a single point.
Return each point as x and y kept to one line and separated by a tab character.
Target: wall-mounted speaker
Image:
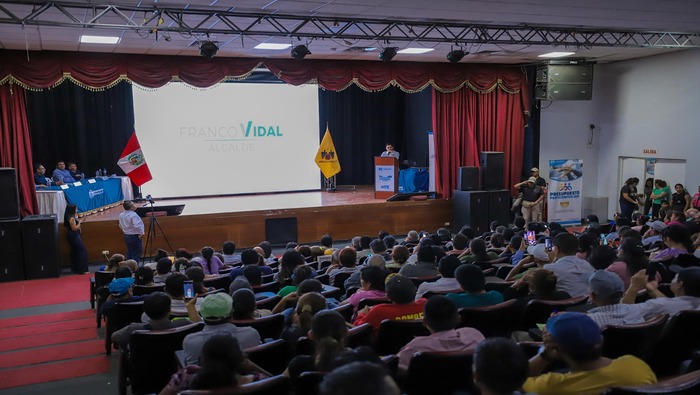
568	81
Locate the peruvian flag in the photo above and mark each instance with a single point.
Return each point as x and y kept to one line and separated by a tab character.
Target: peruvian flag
133	163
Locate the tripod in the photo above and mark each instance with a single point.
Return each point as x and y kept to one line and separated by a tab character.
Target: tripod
153	223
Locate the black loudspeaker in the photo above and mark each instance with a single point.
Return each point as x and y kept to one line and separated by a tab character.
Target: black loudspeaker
570	81
471	208
40	246
468	178
491	170
11	246
280	231
499	206
9	195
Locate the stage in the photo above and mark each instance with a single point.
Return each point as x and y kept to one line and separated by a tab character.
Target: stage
212	221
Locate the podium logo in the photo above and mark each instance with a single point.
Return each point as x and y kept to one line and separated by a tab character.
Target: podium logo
385	178
565	186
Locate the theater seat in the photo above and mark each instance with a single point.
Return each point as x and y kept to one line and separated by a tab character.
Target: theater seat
393	335
496	320
273	356
276	385
440	373
676	343
538	311
637	339
685	384
269	327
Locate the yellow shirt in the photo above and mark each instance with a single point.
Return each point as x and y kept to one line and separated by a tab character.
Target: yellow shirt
623	371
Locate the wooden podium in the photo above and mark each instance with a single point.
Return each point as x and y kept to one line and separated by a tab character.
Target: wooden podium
386	177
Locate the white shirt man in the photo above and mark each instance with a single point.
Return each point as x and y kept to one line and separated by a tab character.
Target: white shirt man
131	224
390	152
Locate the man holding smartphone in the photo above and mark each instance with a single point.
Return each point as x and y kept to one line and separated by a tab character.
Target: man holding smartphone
572	272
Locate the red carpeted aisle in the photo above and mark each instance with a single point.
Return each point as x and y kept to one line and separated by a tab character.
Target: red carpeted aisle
19	294
51	347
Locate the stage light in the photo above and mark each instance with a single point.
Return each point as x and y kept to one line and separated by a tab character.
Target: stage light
300	51
456	55
208	49
387	54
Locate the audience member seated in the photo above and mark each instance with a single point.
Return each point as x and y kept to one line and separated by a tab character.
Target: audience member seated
327	244
289	261
389	241
119	292
602	257
586	244
653	234
222	365
156	306
460	243
300	274
267	252
372	279
441	318
497	244
411	239
163	269
359	378
515	250
685	287
677	240
401	292
40	179
244	307
447	281
500	367
473	282
174	288
143	276
575	339
425	267
347	258
196	275
538	257
632	259
113	263
572	272
285	306
399	256
606	293
328	331
298	323
477	252
209	263
229	252
541	285
216	310
130	264
180	265
249	258
379	248
61	175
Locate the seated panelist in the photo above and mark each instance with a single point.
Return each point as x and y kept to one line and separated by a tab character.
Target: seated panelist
74	172
61	175
40	179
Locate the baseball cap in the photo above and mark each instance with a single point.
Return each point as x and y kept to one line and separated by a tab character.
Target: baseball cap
120	286
574	332
217	305
535	169
539	252
607	285
532	180
658	226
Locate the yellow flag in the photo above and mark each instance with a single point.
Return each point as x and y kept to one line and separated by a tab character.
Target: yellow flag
327	157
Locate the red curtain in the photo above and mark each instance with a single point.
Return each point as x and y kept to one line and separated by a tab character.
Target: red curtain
466	122
99	71
15	144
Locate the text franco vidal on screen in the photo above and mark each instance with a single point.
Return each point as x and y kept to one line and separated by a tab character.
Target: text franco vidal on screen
231	138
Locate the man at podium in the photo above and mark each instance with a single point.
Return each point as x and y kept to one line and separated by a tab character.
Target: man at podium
390	152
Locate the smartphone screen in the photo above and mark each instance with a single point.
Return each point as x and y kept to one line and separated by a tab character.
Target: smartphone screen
604	239
651	271
530	237
189	290
548	244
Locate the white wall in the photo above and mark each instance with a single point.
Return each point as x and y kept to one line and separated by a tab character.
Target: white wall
648	103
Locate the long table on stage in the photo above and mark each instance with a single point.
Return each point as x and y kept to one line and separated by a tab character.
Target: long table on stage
89	196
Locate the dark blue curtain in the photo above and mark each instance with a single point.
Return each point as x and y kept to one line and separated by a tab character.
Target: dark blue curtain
362	122
73	124
531	146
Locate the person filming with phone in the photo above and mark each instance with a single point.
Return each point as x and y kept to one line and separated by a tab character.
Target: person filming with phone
572	272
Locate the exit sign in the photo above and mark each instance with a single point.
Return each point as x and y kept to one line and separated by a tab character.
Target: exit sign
649	151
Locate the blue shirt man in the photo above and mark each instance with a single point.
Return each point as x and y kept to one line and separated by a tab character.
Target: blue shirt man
74	172
40	180
61	175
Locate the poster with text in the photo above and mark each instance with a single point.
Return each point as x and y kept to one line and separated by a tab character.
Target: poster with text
565	191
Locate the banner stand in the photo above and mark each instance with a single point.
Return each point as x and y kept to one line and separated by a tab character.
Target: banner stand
565	191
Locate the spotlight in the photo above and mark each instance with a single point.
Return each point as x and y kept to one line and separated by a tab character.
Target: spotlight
387	54
456	55
208	49
300	51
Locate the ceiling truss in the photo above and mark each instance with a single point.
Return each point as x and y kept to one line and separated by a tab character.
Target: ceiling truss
205	22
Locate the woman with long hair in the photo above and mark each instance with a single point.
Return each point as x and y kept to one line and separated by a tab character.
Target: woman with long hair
677	240
628	197
648	190
659	194
299	322
631	259
209	263
328	331
78	253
